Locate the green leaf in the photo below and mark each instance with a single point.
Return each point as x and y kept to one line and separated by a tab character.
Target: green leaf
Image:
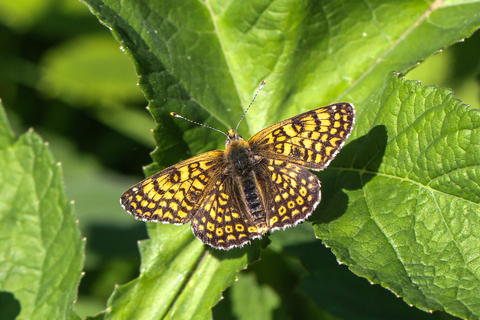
23	14
409	217
330	287
205	60
41	255
254	301
179	277
64	72
91	71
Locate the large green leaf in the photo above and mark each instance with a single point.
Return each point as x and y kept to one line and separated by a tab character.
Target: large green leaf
409	218
179	277
41	255
205	59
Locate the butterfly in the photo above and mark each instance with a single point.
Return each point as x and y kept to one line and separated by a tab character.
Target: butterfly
238	194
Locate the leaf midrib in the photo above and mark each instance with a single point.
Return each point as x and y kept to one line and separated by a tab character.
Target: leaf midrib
434	6
434	198
225	56
385	175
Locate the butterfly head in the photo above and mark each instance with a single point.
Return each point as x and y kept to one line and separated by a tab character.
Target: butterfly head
232	137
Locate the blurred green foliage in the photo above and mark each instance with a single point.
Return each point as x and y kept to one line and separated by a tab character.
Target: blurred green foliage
63	73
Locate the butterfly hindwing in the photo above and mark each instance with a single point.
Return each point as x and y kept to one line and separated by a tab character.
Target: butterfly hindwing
290	192
221	219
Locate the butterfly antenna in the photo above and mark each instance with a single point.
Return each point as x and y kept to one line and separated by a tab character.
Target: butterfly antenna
176	115
256	94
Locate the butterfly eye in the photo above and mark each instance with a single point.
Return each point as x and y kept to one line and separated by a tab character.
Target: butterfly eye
235	137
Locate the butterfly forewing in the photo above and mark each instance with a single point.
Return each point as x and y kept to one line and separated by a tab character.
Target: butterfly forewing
311	139
171	195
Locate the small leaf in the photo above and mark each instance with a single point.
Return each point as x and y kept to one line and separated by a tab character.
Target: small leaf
42	253
409	217
253	301
66	72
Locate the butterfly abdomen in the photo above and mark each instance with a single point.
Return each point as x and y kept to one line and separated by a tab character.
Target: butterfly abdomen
253	200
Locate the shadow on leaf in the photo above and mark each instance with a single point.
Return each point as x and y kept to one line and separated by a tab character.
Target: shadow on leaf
363	154
340	292
252	250
9	306
111	241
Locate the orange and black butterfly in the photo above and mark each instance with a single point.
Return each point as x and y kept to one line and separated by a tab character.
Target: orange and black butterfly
235	195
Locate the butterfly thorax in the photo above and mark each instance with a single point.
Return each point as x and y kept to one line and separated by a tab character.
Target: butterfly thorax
239	155
241	164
